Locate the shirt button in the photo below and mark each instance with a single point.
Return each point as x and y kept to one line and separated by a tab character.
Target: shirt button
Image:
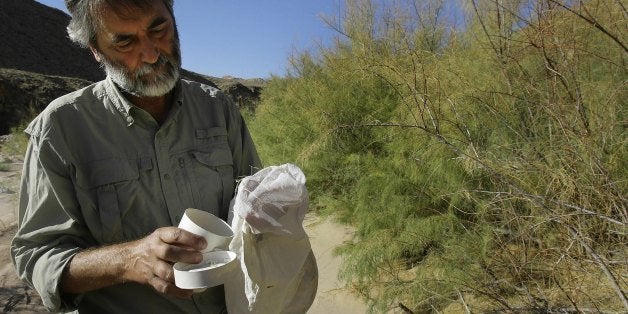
166	176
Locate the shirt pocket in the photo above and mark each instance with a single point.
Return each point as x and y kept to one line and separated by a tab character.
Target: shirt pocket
210	137
107	189
211	175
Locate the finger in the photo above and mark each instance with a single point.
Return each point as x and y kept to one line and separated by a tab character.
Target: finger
180	237
275	211
257	223
180	293
172	253
165	287
164	271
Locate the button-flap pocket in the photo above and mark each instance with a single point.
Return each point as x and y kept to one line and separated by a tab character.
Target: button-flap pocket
221	157
107	171
210	132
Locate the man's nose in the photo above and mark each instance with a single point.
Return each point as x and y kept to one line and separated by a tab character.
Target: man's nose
149	52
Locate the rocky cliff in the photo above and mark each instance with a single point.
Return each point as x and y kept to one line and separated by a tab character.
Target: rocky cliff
34	39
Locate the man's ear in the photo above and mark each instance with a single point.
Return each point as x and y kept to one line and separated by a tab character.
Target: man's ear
95	53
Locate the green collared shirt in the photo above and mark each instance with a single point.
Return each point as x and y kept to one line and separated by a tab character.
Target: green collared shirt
99	170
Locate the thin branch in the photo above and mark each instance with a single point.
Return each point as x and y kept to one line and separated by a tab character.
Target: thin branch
477	13
464	303
594	23
620	293
543	199
405	309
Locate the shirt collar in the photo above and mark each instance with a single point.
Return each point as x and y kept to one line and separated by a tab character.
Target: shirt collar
124	106
178	93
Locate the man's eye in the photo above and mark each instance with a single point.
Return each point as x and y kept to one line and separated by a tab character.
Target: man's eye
125	44
158	32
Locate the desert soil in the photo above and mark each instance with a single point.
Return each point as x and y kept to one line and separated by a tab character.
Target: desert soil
15	296
324	234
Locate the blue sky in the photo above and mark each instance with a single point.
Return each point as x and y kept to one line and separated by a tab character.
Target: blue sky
246	38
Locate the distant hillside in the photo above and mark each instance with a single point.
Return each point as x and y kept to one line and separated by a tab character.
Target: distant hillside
24	94
34	39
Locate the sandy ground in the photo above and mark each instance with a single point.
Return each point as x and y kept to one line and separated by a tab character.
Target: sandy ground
15	296
324	234
331	297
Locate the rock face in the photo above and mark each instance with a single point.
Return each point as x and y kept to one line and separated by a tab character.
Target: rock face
34	39
39	63
245	96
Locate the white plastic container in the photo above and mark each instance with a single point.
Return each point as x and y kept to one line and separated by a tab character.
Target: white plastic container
215	268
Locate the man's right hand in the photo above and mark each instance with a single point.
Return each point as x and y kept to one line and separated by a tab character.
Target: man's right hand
147	261
151	258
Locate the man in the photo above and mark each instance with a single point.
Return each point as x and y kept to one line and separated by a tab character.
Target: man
112	167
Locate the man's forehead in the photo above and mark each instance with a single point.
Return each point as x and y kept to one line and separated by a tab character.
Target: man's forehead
119	19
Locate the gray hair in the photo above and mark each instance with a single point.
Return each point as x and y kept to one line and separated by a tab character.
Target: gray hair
87	16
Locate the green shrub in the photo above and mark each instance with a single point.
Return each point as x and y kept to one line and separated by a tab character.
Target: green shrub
481	167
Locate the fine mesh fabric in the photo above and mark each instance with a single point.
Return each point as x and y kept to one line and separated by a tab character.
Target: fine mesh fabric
274	200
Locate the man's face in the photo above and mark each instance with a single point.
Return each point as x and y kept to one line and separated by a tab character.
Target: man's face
139	50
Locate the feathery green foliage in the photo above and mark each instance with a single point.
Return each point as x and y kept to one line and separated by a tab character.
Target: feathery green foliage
484	167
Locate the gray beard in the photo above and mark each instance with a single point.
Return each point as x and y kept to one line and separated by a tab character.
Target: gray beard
144	83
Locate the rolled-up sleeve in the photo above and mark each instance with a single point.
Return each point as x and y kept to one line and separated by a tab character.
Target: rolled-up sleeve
49	229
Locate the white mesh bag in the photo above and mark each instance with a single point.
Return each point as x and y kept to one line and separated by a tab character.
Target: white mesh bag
278	272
